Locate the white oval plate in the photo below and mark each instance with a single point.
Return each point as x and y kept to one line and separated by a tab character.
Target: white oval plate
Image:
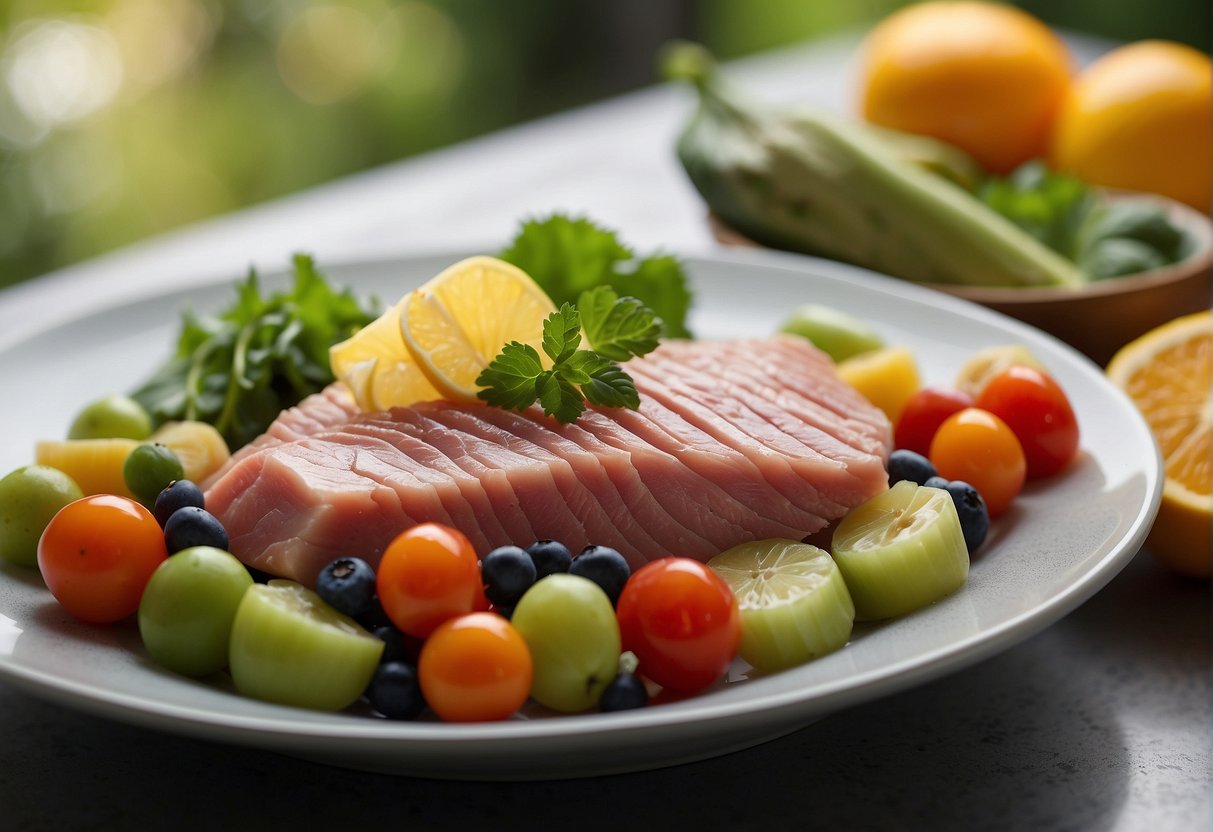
1062	541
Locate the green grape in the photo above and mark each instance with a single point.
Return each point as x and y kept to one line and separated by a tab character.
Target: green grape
187	609
290	647
833	331
29	498
569	626
112	417
149	469
901	550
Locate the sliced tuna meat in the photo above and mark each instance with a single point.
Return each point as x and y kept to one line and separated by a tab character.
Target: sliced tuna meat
734	441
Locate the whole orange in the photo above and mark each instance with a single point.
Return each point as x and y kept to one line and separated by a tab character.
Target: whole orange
987	78
1141	118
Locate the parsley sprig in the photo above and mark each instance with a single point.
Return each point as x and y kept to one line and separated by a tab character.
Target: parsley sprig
617	329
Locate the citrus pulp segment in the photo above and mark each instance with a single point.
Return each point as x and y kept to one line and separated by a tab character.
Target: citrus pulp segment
376	365
458	322
1168	373
794	603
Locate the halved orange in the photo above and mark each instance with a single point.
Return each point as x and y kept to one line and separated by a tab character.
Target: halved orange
1168	373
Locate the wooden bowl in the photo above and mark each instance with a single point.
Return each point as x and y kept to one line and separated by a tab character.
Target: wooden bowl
1101	317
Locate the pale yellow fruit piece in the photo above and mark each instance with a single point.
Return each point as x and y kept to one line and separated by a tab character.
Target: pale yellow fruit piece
198	445
95	464
984	364
458	322
377	367
1168	373
887	378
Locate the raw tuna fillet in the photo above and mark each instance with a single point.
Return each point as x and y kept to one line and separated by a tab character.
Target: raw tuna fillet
733	441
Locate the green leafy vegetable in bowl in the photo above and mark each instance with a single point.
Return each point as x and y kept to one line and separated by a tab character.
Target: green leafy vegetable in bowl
1105	237
238	370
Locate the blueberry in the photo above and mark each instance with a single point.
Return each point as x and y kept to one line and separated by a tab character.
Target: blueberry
395	691
936	482
178	494
507	571
506	612
550	557
347	585
908	465
971	508
375	616
397	646
624	693
193	526
605	567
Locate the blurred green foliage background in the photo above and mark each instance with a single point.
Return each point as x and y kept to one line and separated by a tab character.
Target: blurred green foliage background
123	118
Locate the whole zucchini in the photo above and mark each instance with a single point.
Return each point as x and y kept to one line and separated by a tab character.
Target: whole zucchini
815	183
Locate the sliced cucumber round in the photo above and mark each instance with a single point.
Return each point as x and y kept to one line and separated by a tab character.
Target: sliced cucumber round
901	551
793	601
290	647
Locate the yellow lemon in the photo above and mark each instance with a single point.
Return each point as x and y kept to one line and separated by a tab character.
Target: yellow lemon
458	322
1168	373
377	366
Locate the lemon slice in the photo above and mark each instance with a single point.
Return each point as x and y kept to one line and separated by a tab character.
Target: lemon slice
793	601
1168	373
377	367
458	322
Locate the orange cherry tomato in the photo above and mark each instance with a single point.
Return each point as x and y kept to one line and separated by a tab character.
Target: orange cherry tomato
475	668
682	622
97	555
428	574
979	448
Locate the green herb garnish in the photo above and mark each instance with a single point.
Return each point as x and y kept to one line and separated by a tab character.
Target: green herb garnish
240	369
617	329
567	256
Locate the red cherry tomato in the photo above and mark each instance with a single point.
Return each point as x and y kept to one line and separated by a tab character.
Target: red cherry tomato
428	574
475	668
1038	412
977	447
97	555
924	413
682	622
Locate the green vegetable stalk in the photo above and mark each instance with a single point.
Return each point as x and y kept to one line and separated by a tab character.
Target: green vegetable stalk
239	370
814	183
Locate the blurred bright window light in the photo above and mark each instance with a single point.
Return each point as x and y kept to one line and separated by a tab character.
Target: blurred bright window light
329	52
59	71
161	39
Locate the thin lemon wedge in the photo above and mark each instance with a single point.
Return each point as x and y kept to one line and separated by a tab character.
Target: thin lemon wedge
1168	373
377	367
457	323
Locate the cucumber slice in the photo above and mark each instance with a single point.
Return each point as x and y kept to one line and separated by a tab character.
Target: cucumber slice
901	551
793	601
290	647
